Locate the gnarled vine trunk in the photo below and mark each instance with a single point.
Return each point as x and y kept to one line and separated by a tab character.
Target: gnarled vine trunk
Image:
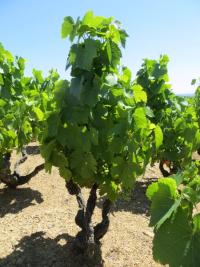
89	235
14	179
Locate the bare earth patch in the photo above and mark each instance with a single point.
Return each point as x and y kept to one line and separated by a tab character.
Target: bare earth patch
37	227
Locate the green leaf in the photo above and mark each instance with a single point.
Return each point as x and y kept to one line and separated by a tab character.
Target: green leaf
116	54
21	63
38	112
111	79
38	75
61	88
111	190
169	213
196	223
89	94
191	195
109	52
126	76
152	190
58	159
177	241
114	34
53	121
62	136
140	118
158	136
76	87
94	136
1	79
26	127
65	173
82	55
92	21
83	165
149	112
178	177
139	94
67	27
117	91
76	159
47	149
163	195
2	103
88	168
124	171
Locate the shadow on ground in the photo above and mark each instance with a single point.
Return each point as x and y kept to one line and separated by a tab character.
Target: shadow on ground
15	200
40	251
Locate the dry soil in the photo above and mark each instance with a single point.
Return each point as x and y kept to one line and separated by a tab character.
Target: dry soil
37	227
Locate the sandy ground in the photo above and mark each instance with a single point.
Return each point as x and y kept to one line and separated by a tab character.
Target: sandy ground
37	225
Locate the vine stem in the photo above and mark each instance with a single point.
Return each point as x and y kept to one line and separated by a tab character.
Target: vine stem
14	179
101	228
91	203
84	216
89	235
22	159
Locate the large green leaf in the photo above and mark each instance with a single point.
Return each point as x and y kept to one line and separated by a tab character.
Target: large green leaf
164	197
91	20
82	55
177	241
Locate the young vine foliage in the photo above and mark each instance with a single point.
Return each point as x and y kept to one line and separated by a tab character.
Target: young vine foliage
100	133
102	128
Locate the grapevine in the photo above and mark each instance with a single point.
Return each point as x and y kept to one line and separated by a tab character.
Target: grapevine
99	136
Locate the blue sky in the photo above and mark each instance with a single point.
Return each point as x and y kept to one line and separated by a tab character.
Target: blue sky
31	29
